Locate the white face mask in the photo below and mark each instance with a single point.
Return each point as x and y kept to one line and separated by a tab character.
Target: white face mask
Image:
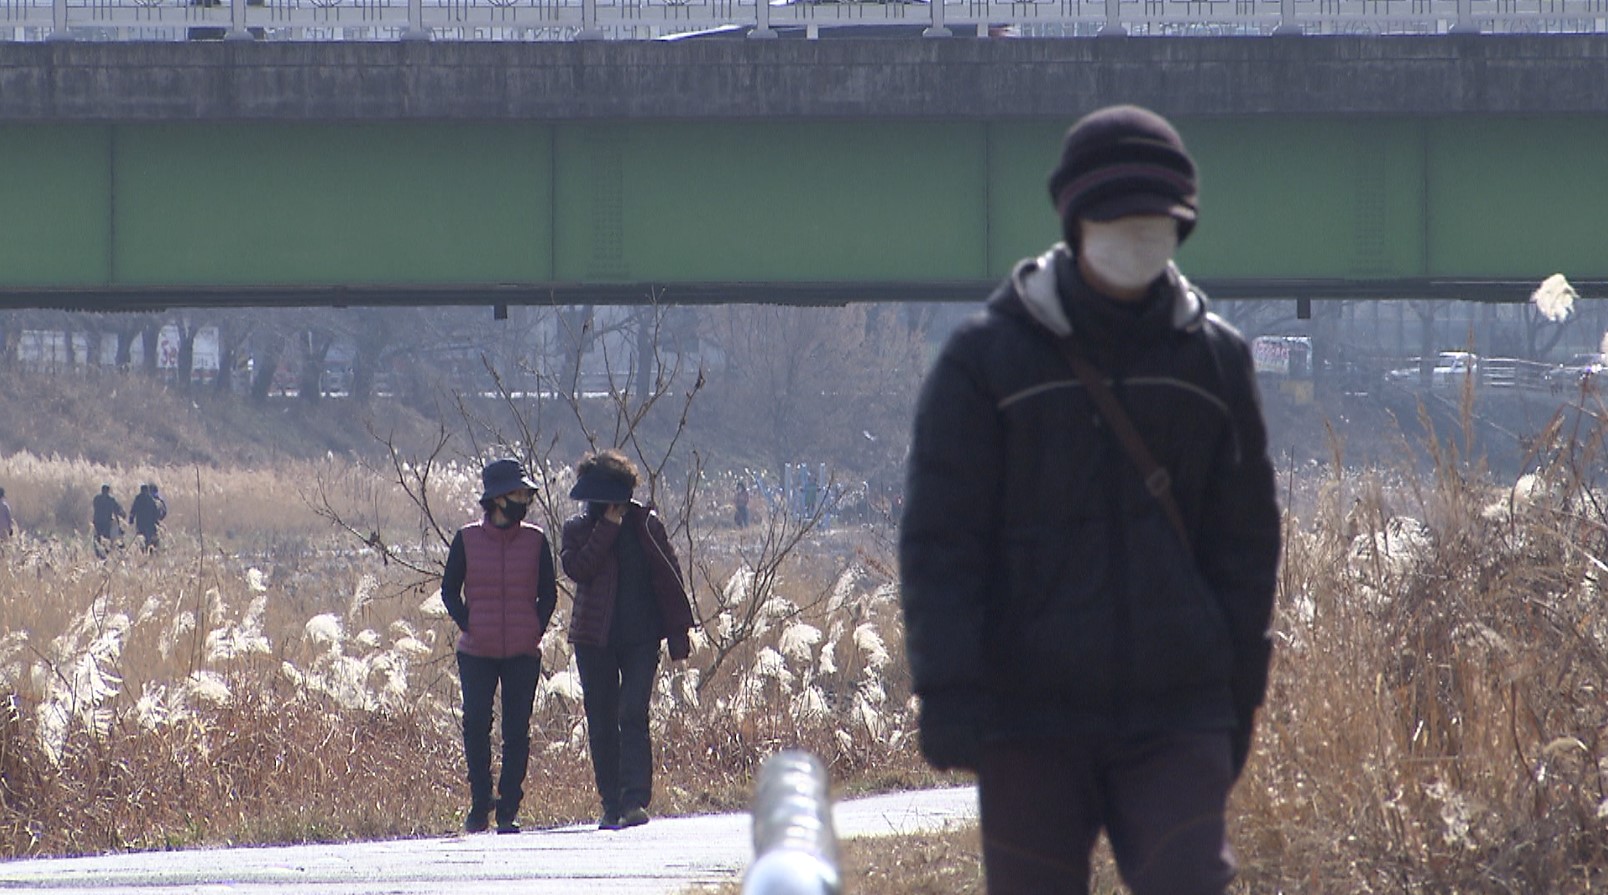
1129	252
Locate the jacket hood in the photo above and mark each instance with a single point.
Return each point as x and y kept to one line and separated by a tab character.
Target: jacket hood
1034	279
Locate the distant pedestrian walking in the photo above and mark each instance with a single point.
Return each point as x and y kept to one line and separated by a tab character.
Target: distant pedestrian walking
500	588
812	493
740	501
8	528
629	596
107	516
147	513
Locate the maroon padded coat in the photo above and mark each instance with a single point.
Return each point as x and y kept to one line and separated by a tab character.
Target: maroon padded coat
588	558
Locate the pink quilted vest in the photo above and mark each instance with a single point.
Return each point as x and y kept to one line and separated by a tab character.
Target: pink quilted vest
503	567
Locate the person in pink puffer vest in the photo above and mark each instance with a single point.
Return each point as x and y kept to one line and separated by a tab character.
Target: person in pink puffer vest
500	588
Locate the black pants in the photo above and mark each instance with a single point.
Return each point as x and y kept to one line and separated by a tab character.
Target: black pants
480	677
616	683
104	539
1159	798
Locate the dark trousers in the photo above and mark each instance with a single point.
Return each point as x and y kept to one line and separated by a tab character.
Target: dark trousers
150	540
616	683
104	539
480	677
1160	799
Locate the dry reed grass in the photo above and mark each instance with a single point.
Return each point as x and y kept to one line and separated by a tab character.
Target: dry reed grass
1438	714
285	687
1437	719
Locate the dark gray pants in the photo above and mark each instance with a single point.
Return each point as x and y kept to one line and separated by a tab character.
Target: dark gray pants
1160	799
480	677
616	683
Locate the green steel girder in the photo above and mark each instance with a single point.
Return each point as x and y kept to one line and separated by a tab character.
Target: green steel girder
810	211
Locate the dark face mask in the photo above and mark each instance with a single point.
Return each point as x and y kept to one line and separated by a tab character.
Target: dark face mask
513	513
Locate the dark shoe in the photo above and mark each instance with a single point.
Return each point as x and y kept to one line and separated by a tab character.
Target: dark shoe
507	815
608	822
477	821
636	817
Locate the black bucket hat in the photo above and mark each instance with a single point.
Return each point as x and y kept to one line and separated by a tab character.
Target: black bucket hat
597	486
503	476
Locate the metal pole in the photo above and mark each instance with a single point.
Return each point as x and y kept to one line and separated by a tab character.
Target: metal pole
795	848
937	29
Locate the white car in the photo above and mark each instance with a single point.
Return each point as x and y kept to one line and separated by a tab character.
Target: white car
1451	368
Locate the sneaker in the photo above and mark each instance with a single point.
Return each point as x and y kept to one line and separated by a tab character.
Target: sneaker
477	821
636	817
608	822
508	826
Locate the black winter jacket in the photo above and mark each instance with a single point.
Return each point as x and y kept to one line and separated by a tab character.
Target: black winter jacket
1045	592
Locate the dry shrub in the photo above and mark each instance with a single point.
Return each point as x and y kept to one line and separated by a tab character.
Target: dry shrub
1436	720
200	695
259	511
111	418
256	770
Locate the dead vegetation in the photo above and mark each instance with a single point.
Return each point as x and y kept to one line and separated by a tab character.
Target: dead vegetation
1437	722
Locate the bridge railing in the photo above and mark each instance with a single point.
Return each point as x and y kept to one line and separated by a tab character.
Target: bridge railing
528	20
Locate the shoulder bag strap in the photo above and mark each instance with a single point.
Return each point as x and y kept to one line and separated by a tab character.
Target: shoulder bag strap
1157	480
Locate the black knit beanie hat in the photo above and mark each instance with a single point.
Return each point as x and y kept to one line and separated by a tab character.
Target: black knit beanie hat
1120	161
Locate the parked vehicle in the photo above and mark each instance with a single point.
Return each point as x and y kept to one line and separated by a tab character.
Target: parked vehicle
1579	369
1451	368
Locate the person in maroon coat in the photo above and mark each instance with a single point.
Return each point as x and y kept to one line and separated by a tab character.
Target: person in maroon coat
628	596
500	587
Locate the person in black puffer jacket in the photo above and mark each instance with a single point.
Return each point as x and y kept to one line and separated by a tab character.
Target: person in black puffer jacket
1097	663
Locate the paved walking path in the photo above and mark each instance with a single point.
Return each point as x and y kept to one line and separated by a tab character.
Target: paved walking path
669	855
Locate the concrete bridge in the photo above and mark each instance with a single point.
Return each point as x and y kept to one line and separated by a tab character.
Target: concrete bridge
146	174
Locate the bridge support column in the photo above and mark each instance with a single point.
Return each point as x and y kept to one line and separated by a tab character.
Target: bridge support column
1113	23
1287	26
1465	18
762	29
416	29
937	28
58	21
589	29
237	22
